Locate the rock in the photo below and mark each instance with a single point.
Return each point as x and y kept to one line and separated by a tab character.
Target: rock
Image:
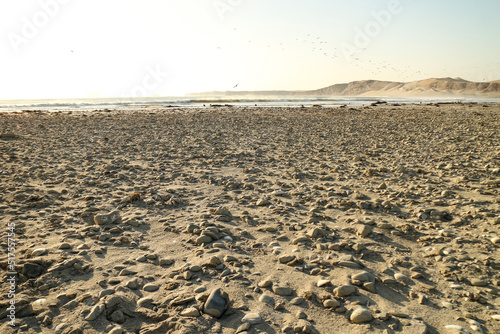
151	287
166	262
243	328
361	315
116	330
297	301
38	252
478	282
364	230
107	218
203	239
39	305
323	282
265	283
117	317
32	270
126	272
146	302
191	312
363	277
64	245
216	303
95	312
252	318
282	290
345	290
266	299
262	202
331	303
132	284
401	278
286	258
455	329
496	317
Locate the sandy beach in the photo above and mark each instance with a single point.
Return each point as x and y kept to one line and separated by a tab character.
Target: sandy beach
376	219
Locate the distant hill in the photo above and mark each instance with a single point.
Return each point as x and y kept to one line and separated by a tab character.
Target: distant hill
434	87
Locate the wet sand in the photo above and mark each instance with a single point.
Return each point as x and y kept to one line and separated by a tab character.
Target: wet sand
379	219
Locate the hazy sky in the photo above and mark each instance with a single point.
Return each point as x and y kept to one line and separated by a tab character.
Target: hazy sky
108	48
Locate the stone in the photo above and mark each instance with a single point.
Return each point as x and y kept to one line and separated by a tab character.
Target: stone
151	287
166	262
216	303
117	317
116	330
32	270
146	302
203	239
190	312
39	305
38	252
126	272
361	315
266	299
252	318
401	278
297	301
331	303
95	312
478	282
323	282
286	258
364	230
64	245
107	218
363	277
344	290
265	284
282	290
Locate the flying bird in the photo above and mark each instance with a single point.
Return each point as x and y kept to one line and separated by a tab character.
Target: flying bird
236	85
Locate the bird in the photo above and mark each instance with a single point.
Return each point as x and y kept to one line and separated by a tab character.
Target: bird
236	85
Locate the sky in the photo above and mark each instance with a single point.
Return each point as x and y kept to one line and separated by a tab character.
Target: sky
132	48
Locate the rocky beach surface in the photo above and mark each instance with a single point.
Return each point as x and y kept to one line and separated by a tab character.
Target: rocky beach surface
376	219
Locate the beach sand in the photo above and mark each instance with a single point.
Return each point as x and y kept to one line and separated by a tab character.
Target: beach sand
378	219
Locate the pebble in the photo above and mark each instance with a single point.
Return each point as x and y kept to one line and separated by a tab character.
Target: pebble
265	283
216	303
266	299
252	318
361	315
32	270
38	252
151	287
344	290
478	282
363	277
95	312
401	278
107	218
64	245
190	312
282	290
116	330
297	301
323	282
331	303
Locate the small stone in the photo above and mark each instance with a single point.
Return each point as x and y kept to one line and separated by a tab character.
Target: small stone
401	278
496	317
126	272
203	239
297	301
478	282
38	252
64	245
190	312
345	290
243	328
282	290
364	230
331	303
266	299
323	282
116	330
95	312
216	303
117	317
166	262
265	283
132	284
151	287
286	258
262	202
145	302
32	270
361	315
252	318
107	218
363	277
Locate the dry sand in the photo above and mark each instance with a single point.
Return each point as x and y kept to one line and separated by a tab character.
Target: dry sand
308	220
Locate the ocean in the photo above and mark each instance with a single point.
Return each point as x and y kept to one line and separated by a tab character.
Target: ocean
89	104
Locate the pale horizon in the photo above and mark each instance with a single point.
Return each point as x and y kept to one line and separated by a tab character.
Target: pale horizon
75	49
